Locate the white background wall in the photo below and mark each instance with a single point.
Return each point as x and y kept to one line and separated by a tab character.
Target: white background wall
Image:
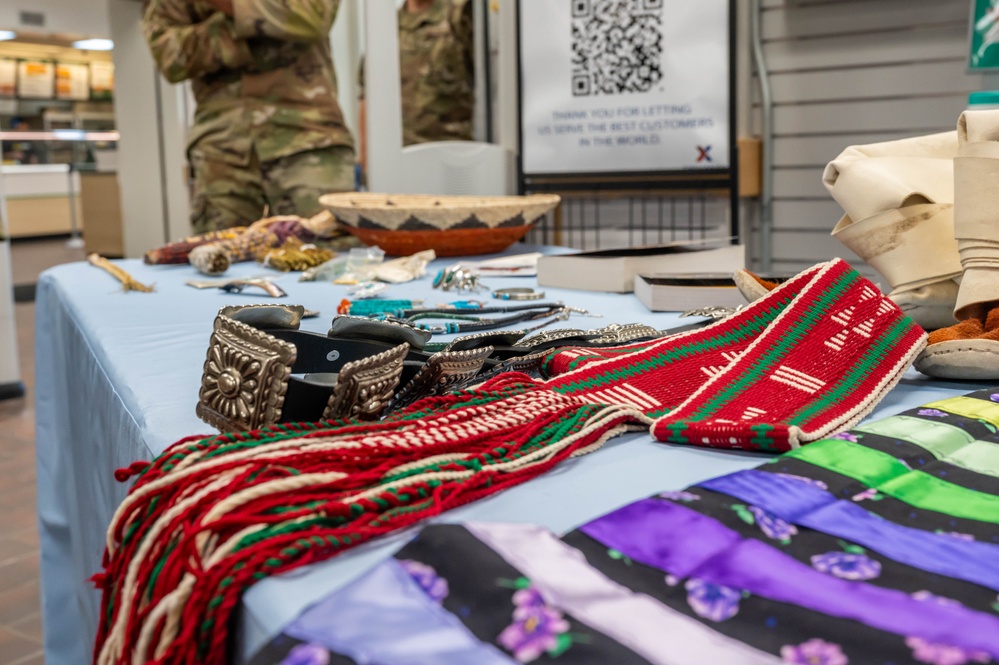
347	41
151	116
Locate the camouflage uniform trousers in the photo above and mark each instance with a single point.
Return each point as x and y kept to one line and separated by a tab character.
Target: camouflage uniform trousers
227	195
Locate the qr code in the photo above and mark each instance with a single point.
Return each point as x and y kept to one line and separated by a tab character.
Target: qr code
617	46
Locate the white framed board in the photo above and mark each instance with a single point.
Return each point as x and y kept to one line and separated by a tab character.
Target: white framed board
35	79
72	81
625	86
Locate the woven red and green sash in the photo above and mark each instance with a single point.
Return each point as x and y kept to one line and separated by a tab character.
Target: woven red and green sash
810	359
212	516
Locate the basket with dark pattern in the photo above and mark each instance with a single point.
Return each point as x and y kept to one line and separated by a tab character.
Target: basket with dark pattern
403	224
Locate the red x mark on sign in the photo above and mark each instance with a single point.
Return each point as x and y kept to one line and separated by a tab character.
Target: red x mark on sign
703	155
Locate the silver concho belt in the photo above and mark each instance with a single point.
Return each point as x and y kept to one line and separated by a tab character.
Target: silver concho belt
261	370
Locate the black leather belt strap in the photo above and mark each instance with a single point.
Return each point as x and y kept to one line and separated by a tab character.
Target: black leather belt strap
261	369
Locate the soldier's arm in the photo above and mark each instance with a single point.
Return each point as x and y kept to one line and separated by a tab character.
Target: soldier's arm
303	21
185	50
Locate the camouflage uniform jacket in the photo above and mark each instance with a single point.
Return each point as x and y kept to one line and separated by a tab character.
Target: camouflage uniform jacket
263	79
437	71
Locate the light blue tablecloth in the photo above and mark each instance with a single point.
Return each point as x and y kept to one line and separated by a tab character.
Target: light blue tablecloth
118	377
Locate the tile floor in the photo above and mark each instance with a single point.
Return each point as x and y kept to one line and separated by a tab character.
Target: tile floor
20	617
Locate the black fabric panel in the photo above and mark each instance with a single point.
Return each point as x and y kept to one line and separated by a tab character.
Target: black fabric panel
764	624
807	543
887	507
481	586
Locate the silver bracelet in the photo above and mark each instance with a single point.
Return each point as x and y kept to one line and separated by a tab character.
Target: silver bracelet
457	278
518	293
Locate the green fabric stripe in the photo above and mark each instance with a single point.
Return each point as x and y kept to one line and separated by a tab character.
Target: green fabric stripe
890	476
762	438
781	346
947	443
937	438
869	466
969	407
980	456
922	490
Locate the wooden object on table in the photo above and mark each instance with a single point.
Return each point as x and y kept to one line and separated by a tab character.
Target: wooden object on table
128	282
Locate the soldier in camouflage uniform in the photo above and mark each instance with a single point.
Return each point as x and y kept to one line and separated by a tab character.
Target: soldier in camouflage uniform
268	130
437	70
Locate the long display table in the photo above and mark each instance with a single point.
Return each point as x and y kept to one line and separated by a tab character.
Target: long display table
118	379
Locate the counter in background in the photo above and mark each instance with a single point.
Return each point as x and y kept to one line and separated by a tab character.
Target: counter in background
38	204
38	199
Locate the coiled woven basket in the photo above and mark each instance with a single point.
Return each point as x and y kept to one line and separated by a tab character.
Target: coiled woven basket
403	224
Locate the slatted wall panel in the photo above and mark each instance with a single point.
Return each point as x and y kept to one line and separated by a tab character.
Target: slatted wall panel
847	72
590	221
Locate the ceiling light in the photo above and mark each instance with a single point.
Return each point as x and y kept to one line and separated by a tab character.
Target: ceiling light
69	134
7	34
94	44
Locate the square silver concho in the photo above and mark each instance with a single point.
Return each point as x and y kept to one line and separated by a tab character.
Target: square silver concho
245	377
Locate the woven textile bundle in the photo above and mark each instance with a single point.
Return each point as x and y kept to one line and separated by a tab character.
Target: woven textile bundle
811	358
210	517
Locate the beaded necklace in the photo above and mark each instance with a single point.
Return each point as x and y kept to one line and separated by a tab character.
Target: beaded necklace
463	316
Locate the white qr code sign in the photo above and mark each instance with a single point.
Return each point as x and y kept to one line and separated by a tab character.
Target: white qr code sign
615	86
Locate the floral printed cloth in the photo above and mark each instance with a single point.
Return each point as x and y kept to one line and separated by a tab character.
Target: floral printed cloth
878	546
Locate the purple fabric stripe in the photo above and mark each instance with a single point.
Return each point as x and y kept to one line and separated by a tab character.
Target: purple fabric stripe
805	505
685	543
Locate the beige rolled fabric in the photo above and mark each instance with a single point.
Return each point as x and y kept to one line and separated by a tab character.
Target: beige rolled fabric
898	198
976	212
870	179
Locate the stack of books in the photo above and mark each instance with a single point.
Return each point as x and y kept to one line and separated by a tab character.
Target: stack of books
614	270
674	292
